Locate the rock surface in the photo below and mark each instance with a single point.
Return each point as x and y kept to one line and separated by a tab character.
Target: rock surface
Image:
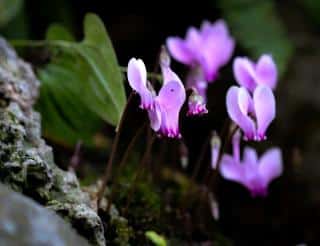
24	222
26	162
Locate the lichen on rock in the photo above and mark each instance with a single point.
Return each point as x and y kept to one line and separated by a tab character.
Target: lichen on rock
26	162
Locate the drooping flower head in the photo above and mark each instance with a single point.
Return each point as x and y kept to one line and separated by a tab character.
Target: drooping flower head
164	108
253	114
249	74
253	173
209	48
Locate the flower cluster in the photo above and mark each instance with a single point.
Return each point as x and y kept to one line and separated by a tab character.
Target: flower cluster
250	105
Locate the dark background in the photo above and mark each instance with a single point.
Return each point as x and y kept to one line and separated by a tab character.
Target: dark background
291	213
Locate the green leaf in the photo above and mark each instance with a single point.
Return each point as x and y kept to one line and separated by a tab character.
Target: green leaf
257	28
58	32
156	238
81	85
8	10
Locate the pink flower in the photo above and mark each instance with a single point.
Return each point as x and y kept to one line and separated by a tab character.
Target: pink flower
164	108
250	75
253	173
252	114
210	48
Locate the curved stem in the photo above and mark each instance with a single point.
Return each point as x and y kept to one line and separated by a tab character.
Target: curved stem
108	170
122	162
141	168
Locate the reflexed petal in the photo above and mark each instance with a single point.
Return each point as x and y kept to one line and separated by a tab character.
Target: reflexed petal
270	165
244	100
243	70
171	98
168	74
232	170
194	42
266	71
235	113
216	53
137	74
250	156
179	51
219	27
155	117
137	77
265	109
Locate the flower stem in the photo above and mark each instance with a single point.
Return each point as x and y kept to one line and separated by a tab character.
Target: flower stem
141	167
200	159
122	162
108	170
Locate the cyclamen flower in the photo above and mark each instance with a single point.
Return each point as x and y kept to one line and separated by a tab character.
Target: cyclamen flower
253	173
252	114
250	75
209	48
164	108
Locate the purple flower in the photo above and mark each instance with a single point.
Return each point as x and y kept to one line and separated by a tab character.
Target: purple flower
164	108
250	75
210	48
253	173
252	114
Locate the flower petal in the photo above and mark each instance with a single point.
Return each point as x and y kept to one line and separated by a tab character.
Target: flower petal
266	71
168	74
244	100
244	73
155	117
232	170
250	156
179	50
235	113
270	165
215	53
137	77
265	109
219	27
171	98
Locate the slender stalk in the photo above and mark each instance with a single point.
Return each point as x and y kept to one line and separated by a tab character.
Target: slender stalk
140	171
75	159
212	177
122	162
108	170
200	159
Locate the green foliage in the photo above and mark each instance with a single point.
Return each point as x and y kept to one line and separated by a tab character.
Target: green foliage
8	10
156	238
81	85
257	28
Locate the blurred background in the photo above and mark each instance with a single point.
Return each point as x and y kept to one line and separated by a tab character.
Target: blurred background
289	30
